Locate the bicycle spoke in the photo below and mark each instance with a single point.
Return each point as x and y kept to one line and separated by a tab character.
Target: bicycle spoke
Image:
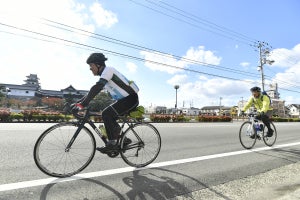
52	157
145	145
247	135
270	141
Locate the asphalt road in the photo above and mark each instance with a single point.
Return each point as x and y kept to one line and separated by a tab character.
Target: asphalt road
194	157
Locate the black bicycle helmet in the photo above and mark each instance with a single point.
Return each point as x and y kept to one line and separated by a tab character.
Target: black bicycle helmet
255	89
97	58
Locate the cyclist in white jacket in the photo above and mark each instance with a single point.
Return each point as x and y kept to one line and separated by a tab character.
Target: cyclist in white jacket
120	88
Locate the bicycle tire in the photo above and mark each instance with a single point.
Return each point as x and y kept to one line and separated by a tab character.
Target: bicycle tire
270	141
247	130
145	145
52	158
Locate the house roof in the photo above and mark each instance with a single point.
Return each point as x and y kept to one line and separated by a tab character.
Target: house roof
296	105
51	92
70	88
20	87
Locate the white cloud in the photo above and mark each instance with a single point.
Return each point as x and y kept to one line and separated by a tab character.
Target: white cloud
102	17
204	91
131	67
56	64
244	64
290	60
170	64
286	57
177	79
162	62
199	54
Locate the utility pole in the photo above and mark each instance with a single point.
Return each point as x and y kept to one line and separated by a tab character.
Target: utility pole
264	52
220	106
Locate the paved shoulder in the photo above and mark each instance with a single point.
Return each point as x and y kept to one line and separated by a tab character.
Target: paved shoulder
281	184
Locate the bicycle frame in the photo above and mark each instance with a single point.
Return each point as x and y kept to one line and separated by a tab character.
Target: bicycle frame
83	119
68	159
253	120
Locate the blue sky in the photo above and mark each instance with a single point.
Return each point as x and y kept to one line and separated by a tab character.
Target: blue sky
207	47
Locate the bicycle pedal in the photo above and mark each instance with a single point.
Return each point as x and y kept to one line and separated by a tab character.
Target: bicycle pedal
258	137
112	154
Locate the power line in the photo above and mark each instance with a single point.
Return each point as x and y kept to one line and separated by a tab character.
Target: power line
232	35
121	54
203	21
138	47
89	47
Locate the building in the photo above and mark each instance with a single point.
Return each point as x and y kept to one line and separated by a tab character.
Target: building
215	110
32	88
156	109
190	111
277	103
294	110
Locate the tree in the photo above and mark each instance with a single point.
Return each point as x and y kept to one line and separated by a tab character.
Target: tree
2	96
53	102
234	111
101	101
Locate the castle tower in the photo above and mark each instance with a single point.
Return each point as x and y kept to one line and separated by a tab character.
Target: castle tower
32	81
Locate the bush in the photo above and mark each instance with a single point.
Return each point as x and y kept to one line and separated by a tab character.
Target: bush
4	116
295	119
97	119
209	118
16	116
160	118
68	117
179	118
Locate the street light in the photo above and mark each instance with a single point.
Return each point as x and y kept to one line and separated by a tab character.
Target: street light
176	88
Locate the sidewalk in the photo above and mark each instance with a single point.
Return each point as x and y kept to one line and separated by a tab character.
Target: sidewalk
278	184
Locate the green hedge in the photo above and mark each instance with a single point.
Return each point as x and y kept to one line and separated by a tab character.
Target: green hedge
160	118
208	118
33	116
279	119
183	118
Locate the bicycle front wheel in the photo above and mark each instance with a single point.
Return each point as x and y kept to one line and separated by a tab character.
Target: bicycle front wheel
270	141
52	156
144	147
247	135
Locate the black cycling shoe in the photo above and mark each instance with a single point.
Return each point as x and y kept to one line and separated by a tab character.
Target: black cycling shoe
108	148
270	133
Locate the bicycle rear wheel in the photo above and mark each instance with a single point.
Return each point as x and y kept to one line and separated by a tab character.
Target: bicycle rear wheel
144	147
270	141
247	135
52	157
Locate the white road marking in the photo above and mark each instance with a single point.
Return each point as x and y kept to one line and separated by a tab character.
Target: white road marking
39	182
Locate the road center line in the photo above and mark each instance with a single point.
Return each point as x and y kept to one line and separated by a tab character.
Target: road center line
39	182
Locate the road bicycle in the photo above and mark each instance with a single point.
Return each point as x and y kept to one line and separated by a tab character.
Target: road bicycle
253	130
67	148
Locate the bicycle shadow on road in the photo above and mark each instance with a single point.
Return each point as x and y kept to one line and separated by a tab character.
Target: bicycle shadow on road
147	184
76	192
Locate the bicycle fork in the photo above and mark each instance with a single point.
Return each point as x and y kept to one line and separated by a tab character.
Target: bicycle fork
67	149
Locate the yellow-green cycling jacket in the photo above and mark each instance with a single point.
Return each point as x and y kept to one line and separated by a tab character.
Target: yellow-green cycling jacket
262	103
